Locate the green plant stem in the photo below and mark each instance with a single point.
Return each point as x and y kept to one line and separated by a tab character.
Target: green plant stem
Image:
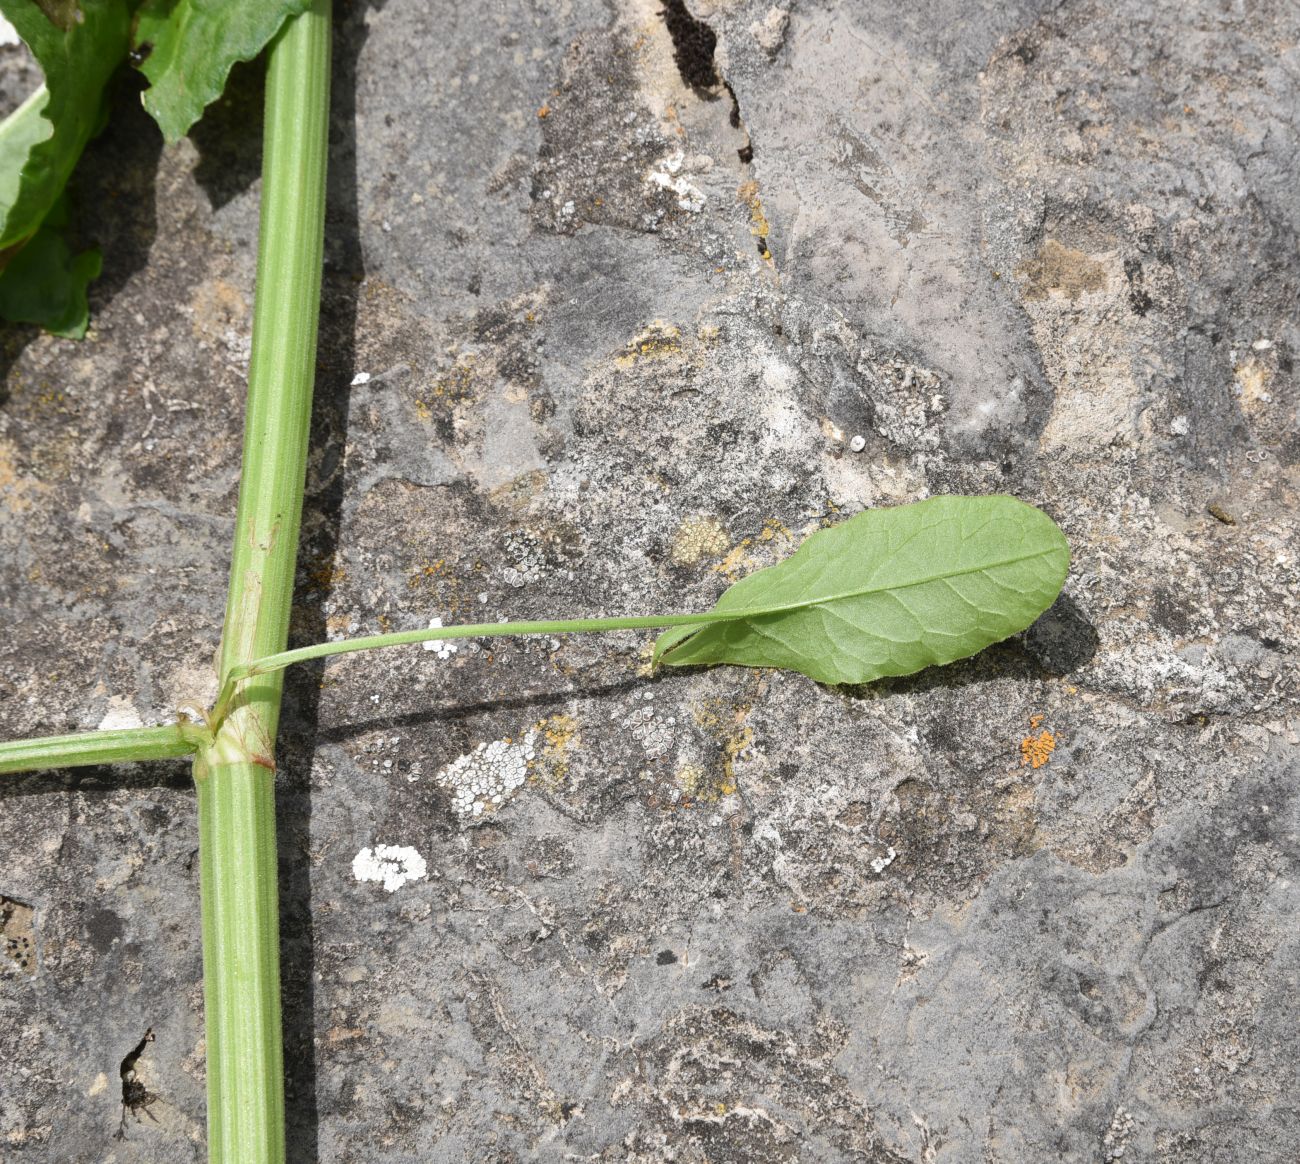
235	773
119	746
565	626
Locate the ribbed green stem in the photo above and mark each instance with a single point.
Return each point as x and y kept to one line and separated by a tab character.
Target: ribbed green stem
119	746
235	773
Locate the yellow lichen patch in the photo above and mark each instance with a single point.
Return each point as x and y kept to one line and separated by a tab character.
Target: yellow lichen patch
726	723
1036	750
737	562
324	574
759	227
555	736
659	341
772	529
733	747
451	596
1252	379
457	383
15	491
1060	269
690	778
449	388
698	538
699	785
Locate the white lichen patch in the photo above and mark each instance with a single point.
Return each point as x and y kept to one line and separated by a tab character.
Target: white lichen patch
443	648
880	864
481	781
909	401
528	560
667	175
120	713
393	865
654	733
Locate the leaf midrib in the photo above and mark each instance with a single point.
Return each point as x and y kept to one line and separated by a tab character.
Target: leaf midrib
728	615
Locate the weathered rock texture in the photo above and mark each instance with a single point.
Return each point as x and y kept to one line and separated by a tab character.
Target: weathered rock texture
619	335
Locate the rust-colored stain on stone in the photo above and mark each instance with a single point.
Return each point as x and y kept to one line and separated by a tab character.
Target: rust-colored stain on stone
1063	270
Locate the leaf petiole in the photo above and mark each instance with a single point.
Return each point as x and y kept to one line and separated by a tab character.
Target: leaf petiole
270	664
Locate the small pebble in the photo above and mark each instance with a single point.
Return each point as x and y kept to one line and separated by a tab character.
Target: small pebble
857	443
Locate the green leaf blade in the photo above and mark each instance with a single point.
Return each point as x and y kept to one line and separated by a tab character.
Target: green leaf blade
194	44
888	592
45	284
77	47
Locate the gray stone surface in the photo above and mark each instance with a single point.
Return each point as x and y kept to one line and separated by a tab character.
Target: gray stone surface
1046	249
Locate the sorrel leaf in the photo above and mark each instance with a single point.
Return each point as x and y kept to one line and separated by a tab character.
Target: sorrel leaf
888	592
77	46
189	47
45	284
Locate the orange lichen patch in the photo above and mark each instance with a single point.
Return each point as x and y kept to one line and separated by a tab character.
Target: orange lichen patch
452	387
774	529
659	341
544	112
1036	750
759	227
673	123
426	570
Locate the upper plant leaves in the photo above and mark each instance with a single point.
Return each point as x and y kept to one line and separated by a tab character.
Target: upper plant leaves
888	592
78	46
20	133
191	46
